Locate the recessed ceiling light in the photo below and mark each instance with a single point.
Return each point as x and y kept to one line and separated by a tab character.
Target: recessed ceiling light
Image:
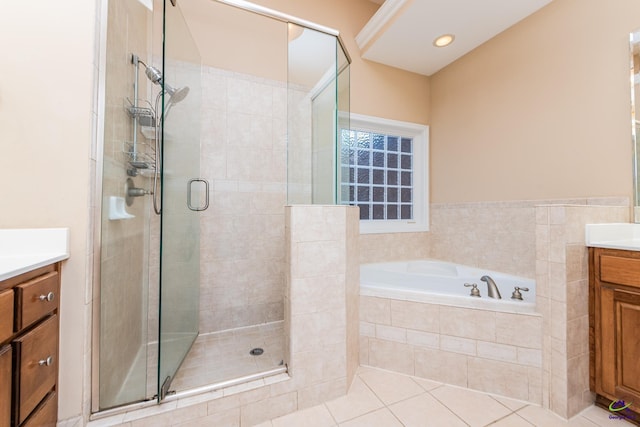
444	40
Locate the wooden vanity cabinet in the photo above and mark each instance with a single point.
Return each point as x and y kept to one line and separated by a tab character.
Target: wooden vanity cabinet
614	327
29	305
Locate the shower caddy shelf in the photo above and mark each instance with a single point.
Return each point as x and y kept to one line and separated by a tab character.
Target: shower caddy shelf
140	154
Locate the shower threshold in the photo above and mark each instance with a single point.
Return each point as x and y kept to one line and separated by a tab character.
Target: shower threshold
226	384
224	387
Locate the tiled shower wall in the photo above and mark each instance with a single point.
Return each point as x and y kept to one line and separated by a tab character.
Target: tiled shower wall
243	155
123	241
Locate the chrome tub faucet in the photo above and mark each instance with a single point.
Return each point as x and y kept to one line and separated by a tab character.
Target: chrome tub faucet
492	288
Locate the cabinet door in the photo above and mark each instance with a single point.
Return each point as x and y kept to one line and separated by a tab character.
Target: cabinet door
5	386
620	316
46	414
36	365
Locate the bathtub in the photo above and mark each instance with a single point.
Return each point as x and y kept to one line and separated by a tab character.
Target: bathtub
440	282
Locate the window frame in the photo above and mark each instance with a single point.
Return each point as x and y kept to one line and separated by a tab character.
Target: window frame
420	170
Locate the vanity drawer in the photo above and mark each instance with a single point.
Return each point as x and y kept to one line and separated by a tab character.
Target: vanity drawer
36	365
36	298
46	414
620	270
6	314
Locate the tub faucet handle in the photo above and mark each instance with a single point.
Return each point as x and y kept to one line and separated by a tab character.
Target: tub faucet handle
475	292
516	292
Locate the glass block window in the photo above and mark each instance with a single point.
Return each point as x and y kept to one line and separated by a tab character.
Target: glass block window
380	174
384	171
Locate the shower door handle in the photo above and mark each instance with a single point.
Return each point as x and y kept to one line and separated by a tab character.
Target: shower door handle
206	194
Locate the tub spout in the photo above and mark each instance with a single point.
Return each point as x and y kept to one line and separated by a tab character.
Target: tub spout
492	288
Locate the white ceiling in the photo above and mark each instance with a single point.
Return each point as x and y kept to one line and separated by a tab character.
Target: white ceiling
401	33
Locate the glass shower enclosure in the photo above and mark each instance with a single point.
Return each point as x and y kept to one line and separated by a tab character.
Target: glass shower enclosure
204	144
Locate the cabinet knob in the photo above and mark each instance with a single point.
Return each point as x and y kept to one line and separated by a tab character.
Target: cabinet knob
46	362
48	297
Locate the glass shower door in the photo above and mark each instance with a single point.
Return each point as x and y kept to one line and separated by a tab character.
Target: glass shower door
183	196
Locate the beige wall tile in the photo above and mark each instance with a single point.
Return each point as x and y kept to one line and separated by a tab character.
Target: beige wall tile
367	329
414	315
391	355
529	357
519	330
391	333
578	336
557	281
314	294
506	379
443	366
468	323
423	339
490	350
171	417
321	392
375	310
393	247
364	351
267	409
535	385
458	345
578	294
315	259
558	320
558	395
577	262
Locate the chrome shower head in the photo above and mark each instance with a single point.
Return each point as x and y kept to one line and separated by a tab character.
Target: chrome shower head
176	95
153	74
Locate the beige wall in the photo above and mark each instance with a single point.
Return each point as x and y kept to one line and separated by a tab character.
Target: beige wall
376	89
232	39
46	93
540	111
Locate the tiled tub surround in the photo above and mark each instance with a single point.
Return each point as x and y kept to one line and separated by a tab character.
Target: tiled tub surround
541	239
496	352
562	276
497	235
321	329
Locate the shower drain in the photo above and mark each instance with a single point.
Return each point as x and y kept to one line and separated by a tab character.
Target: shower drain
256	351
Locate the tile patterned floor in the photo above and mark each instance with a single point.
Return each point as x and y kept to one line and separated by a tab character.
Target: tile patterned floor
379	398
222	356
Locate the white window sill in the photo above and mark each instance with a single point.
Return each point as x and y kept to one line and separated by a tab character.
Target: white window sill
390	226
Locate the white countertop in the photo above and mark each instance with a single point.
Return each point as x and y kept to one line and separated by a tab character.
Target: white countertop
624	236
25	249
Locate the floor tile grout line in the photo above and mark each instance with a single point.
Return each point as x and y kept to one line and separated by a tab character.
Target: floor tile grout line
443	404
508	415
513	411
335	422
